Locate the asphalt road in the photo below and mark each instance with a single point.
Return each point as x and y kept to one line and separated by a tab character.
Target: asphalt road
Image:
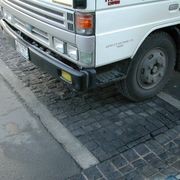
27	150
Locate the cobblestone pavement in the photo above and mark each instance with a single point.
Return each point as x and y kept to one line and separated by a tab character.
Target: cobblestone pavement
131	140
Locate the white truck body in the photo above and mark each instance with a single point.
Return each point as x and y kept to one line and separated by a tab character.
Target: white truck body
120	30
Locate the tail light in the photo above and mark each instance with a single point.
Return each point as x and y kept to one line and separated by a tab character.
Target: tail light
85	23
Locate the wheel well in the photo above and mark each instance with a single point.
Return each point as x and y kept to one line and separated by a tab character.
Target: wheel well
174	32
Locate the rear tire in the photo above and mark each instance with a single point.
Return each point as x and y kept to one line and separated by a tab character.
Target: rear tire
151	67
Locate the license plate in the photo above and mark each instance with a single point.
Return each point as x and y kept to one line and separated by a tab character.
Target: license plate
22	49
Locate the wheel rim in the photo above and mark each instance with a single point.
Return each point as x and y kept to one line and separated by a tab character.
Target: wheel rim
152	69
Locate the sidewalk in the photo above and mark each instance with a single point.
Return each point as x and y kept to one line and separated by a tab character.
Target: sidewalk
27	151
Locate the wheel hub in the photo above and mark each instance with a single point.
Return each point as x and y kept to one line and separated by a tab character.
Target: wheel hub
155	69
152	69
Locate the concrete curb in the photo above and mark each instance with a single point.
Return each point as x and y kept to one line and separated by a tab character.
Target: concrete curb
71	144
169	99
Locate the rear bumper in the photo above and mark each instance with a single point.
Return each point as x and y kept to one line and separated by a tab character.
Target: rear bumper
81	79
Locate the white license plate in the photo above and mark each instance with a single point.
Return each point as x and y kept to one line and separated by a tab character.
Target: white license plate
23	50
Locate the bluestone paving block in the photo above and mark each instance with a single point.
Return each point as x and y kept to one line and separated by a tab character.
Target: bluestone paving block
141	149
139	163
92	173
130	155
106	168
125	170
119	161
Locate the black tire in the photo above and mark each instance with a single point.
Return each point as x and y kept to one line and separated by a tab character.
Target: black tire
132	87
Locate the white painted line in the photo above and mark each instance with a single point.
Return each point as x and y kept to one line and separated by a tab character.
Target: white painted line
71	144
171	100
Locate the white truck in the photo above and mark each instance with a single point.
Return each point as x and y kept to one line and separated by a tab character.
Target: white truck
86	43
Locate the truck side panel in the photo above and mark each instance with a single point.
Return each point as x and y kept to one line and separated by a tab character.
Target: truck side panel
120	31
